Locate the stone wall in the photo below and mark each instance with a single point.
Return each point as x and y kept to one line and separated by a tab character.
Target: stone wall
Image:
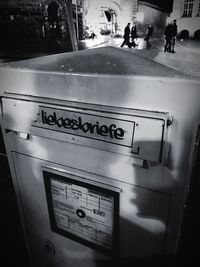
150	15
21	21
26	21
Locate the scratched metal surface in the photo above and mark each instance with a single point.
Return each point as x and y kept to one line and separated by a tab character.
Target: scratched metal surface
105	60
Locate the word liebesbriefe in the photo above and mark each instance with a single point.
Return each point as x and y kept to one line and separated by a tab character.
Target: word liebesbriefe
110	131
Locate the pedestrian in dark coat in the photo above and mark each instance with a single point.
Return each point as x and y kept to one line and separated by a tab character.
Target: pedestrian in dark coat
148	35
174	34
133	35
168	38
126	36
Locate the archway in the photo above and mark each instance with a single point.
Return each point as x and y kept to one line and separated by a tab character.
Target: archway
110	24
52	27
102	17
52	11
184	34
113	11
197	35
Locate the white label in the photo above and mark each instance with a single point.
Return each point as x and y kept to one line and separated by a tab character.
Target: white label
83	212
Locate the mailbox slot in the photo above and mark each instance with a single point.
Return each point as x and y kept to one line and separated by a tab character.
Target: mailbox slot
139	134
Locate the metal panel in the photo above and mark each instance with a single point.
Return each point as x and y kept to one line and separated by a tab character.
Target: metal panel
143	216
139	134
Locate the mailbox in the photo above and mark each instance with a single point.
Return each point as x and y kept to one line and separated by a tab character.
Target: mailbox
100	146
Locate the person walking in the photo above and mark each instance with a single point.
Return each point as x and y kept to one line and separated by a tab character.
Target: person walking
148	35
133	35
174	34
168	38
126	36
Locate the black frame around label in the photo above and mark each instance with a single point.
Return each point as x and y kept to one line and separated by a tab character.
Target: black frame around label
115	233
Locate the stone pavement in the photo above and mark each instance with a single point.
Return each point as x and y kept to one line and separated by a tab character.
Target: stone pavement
186	59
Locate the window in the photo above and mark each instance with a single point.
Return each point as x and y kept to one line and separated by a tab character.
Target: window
188	7
198	11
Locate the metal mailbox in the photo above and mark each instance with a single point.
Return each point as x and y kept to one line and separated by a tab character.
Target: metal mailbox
100	155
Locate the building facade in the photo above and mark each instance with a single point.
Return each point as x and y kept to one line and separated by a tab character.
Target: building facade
187	14
43	20
109	16
38	20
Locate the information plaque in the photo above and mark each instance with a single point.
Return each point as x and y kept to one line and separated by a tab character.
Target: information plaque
83	212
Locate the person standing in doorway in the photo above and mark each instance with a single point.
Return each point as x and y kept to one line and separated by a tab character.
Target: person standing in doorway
174	34
148	35
126	36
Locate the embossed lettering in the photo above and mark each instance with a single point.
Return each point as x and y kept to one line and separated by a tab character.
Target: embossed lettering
110	131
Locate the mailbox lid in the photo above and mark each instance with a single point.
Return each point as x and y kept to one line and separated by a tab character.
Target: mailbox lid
107	76
105	60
